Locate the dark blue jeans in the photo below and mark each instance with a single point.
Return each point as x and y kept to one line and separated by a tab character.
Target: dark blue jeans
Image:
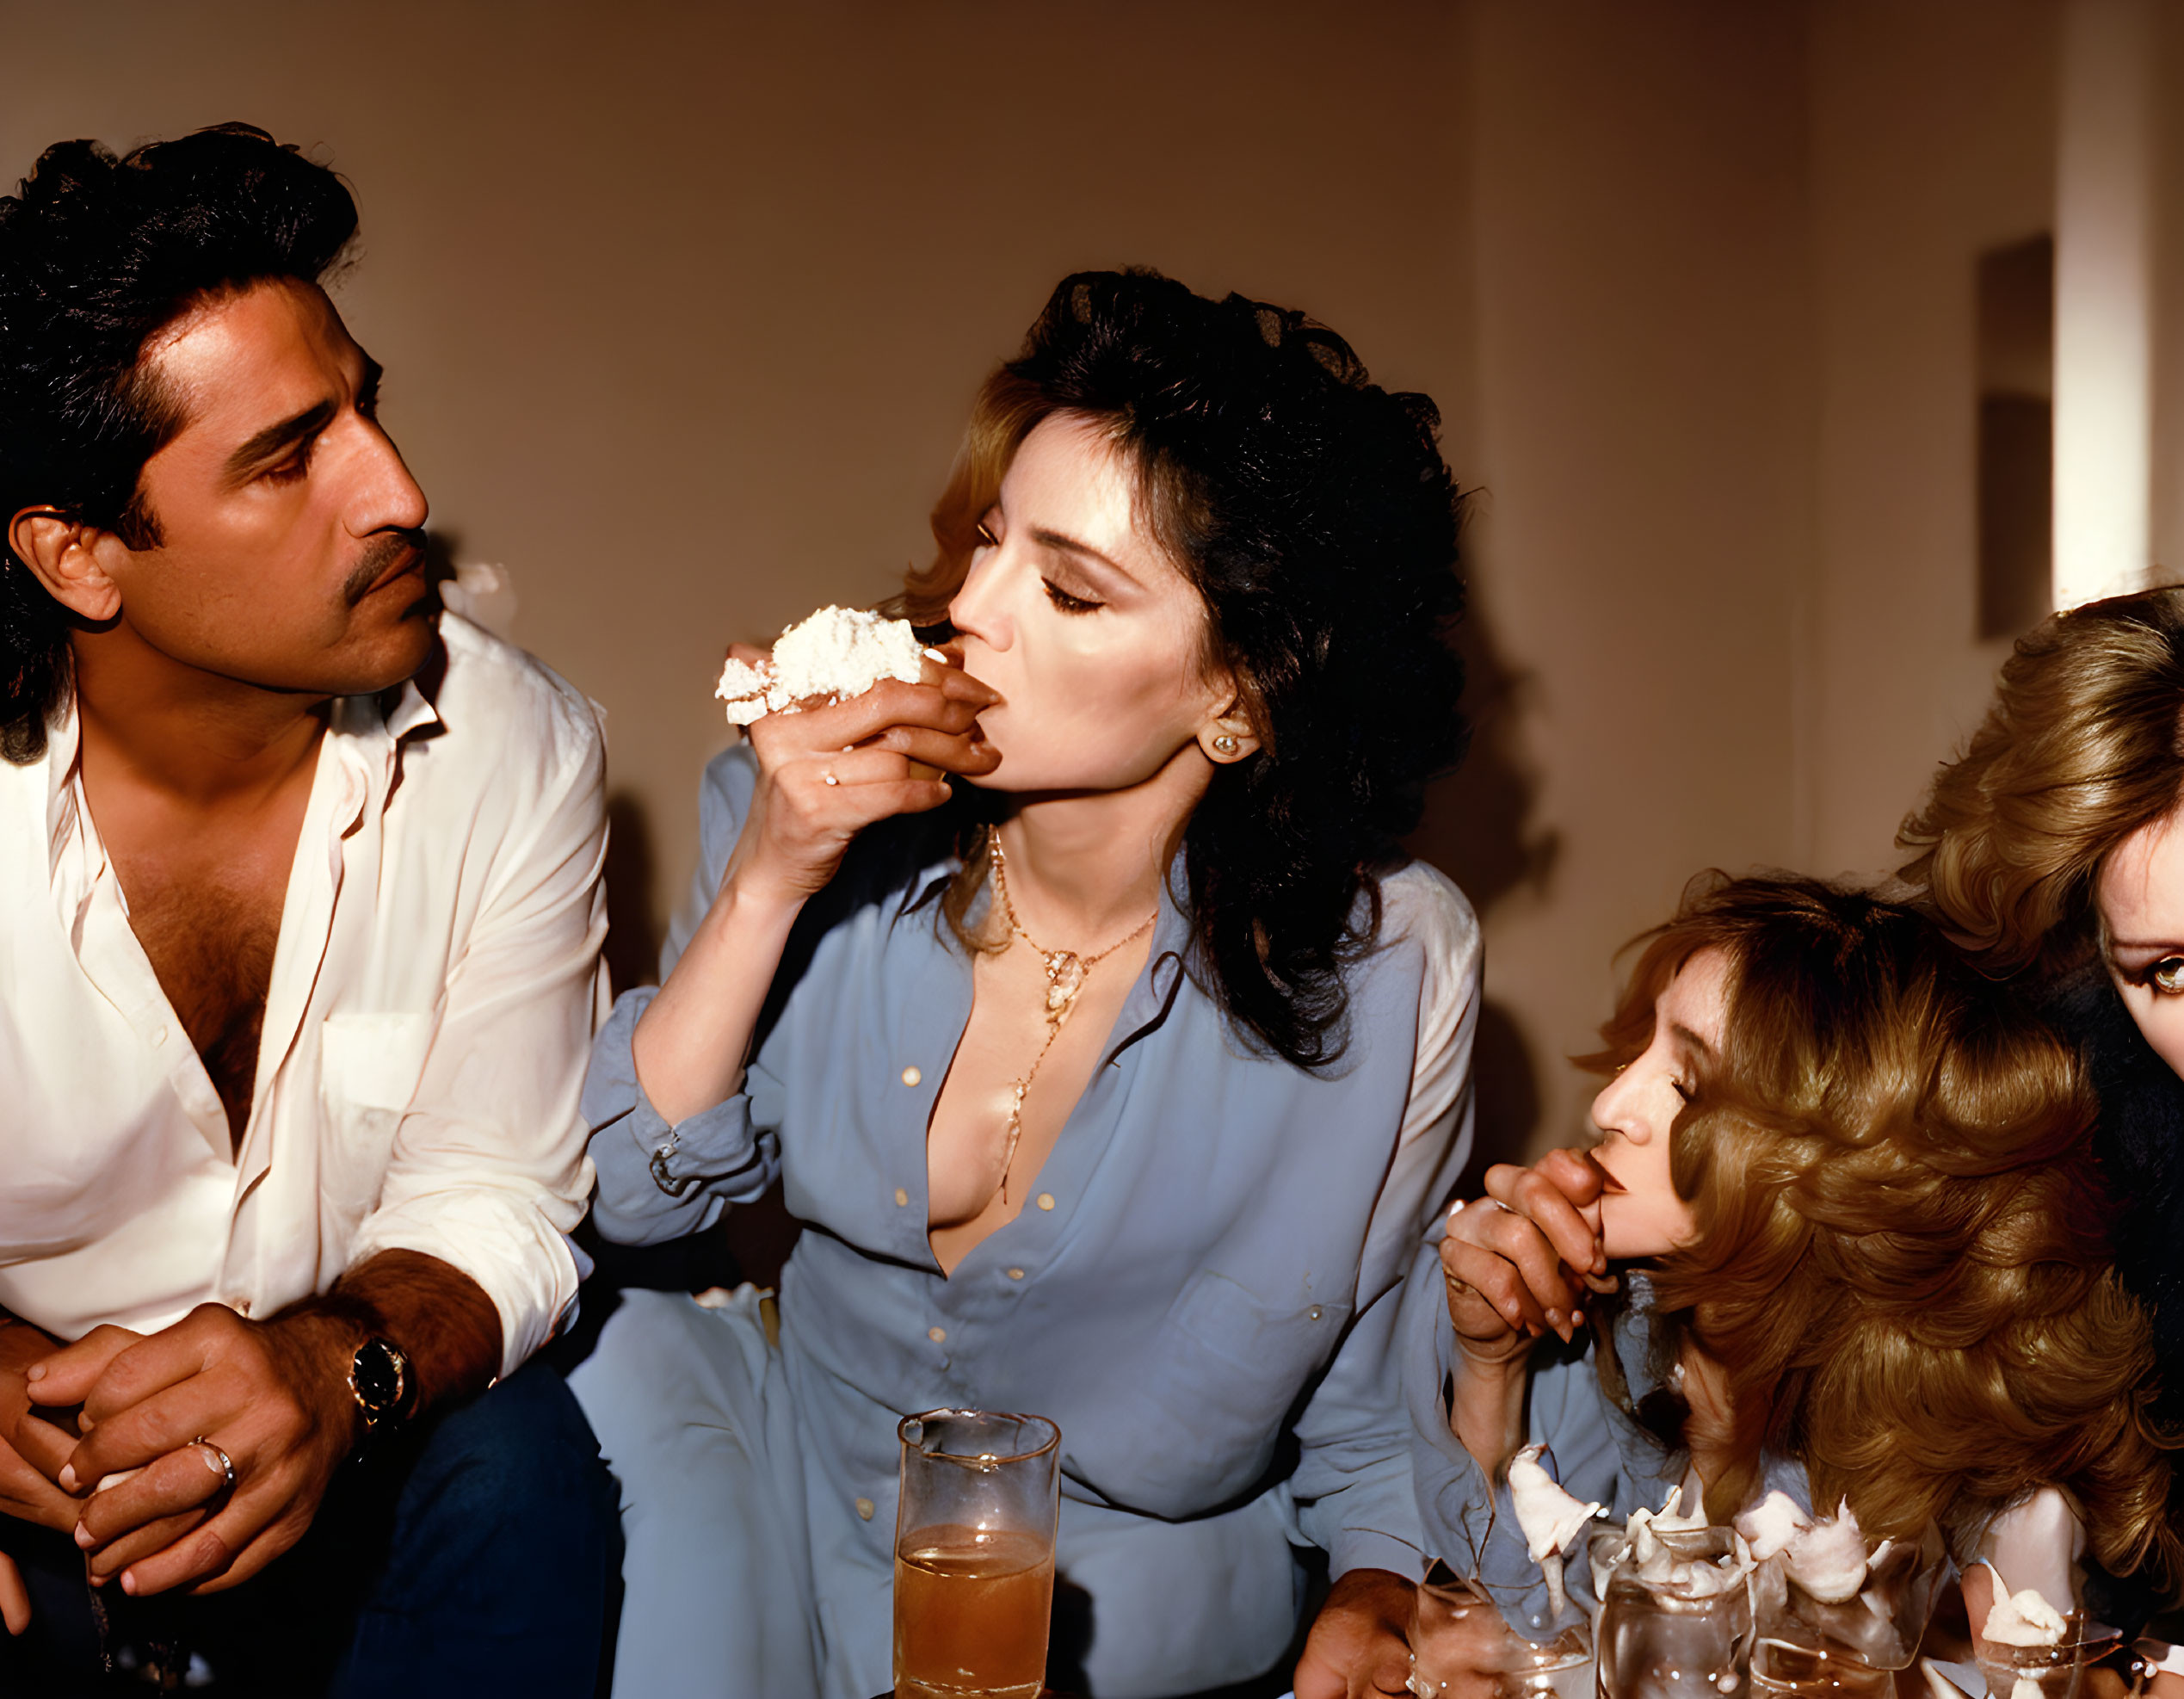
478	1552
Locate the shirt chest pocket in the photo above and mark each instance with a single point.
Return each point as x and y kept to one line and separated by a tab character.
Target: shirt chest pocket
369	1068
1225	1368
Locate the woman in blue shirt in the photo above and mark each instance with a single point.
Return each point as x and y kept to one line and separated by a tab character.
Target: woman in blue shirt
1118	1086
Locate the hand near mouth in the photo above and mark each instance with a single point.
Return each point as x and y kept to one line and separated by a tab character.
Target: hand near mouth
1521	1261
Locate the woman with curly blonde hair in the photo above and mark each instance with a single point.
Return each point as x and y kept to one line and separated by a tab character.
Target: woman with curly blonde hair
1841	1235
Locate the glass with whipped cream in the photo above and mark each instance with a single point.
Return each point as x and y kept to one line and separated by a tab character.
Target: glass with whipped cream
1510	1628
1676	1619
1469	1640
1836	1613
2029	1649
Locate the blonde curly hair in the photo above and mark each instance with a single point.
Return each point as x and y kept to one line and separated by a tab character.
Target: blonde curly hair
2084	745
1902	1260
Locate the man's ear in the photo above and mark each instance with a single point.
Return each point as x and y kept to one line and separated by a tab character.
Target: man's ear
67	558
1228	737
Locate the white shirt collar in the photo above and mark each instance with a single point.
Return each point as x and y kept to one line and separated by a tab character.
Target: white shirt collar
363	732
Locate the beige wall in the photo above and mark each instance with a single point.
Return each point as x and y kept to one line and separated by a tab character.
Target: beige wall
682	314
1643	440
1922	156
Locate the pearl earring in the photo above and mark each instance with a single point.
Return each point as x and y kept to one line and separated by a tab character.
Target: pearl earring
1225	745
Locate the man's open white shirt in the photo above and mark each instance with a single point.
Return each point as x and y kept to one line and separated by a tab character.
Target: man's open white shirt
433	994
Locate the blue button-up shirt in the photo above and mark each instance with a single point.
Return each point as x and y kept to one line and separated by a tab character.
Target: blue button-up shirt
1202	1292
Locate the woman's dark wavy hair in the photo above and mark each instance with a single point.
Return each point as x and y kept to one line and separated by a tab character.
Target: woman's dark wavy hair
1313	513
97	255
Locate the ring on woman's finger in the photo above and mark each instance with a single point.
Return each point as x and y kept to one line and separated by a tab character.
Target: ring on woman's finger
215	1460
830	778
1458	1289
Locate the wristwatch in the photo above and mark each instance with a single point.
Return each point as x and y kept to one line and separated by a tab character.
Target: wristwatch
378	1379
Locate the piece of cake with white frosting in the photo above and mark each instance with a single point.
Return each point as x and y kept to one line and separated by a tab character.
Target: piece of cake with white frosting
827	658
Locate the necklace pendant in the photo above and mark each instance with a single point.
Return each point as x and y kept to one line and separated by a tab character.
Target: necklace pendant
1064	978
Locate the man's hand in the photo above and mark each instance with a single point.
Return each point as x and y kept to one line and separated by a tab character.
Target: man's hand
32	1451
273	1396
1358	1646
33	1448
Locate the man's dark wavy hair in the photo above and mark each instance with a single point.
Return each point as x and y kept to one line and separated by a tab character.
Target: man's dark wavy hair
97	255
1313	513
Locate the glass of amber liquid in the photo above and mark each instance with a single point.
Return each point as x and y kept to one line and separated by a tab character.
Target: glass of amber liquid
974	1554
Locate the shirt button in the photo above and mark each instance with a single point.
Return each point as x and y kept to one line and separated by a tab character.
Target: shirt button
937	1334
865	1509
1015	1274
1314	1311
1046	1200
901	1198
159	1035
911	1076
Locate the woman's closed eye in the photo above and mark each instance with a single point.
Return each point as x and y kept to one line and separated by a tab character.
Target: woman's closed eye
1066	603
984	534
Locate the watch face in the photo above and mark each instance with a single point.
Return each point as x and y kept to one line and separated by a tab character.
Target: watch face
377	1375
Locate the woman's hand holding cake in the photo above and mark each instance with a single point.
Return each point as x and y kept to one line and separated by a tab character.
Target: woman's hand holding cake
844	739
837	753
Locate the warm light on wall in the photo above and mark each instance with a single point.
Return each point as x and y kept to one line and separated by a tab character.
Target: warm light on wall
2104	299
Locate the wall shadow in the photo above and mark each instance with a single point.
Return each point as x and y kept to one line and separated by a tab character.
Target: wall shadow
632	946
1478	829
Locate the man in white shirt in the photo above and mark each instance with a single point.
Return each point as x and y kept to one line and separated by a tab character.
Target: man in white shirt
299	970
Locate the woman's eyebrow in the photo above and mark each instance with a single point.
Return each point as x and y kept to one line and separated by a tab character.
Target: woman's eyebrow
1069	545
1691	1040
2171	948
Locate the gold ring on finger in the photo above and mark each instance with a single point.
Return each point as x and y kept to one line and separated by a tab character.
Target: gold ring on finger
224	1468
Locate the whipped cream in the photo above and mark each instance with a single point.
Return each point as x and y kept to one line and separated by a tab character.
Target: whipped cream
832	655
1828	1558
2022	1618
1550	1518
1656	1564
1771	1525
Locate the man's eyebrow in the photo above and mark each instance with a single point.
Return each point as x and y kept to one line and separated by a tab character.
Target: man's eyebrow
275	439
1069	545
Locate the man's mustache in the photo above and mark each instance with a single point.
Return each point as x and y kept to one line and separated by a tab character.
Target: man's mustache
390	551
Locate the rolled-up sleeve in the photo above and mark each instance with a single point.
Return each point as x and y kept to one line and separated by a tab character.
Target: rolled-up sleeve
488	1171
710	1159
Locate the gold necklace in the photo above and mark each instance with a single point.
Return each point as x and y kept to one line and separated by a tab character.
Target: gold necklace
1065	975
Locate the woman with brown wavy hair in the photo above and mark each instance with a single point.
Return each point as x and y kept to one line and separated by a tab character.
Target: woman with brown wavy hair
1840	1224
2048	848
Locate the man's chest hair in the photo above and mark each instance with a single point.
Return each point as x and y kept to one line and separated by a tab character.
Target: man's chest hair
210	943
